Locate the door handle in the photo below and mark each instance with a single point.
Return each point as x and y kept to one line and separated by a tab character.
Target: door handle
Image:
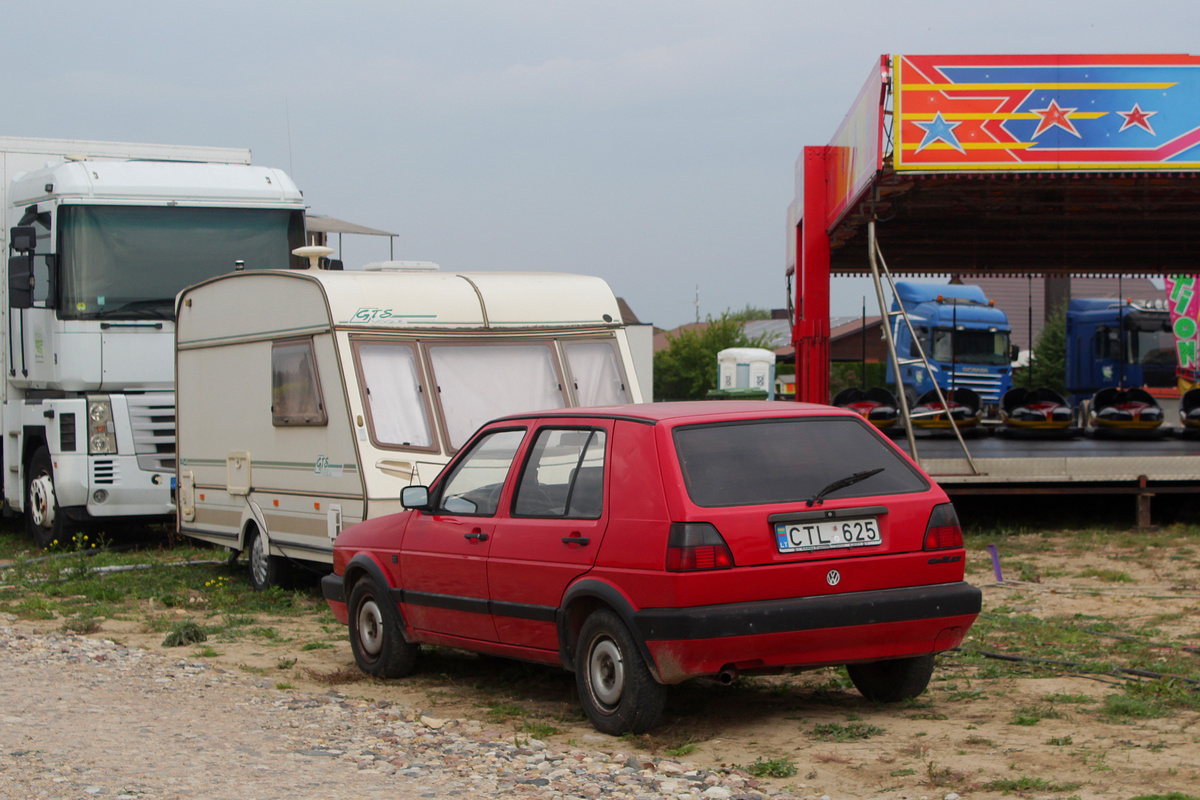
476	534
575	540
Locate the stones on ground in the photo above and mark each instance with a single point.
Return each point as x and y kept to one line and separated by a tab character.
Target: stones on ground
415	749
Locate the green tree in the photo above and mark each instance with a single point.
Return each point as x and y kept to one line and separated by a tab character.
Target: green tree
749	313
1048	367
687	367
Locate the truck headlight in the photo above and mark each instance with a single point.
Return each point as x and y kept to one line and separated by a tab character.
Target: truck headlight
102	439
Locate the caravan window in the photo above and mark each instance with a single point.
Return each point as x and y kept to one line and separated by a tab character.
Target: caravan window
596	370
477	383
395	402
295	391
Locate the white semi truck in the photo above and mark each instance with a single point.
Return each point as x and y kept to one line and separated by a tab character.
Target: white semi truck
100	238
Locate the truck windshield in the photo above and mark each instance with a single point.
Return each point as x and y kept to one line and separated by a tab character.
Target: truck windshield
971	347
131	261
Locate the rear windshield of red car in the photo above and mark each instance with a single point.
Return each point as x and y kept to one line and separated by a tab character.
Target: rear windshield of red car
790	460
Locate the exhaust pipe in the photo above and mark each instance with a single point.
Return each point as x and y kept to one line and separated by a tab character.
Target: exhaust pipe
728	674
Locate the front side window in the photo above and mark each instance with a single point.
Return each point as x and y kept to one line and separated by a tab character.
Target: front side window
596	371
564	475
474	487
788	460
393	396
131	261
295	390
477	383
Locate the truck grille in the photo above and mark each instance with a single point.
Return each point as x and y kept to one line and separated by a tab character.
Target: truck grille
152	416
986	386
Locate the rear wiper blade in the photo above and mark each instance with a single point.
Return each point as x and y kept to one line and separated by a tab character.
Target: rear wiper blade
842	483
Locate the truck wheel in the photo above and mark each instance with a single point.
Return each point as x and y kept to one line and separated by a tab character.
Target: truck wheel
44	521
266	570
376	633
616	689
894	680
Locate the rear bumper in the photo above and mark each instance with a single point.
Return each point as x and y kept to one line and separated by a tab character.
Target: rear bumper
808	631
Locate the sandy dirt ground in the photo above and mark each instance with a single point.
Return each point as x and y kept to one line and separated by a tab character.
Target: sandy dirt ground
969	735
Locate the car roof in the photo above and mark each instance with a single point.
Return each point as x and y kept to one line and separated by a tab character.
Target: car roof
690	411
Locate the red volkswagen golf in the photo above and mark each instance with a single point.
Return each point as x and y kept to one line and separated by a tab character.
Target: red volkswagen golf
643	545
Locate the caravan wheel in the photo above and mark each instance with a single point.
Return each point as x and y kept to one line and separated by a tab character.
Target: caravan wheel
266	570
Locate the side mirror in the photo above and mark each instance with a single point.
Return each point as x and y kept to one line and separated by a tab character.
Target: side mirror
23	238
415	497
20	281
1014	352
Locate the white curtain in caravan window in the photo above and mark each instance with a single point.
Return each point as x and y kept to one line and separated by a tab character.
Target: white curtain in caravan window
597	373
477	383
393	395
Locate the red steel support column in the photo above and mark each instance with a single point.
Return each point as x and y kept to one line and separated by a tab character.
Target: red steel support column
811	336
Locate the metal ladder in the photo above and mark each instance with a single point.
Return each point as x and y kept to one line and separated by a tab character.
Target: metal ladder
879	271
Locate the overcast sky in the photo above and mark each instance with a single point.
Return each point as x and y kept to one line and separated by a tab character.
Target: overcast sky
650	143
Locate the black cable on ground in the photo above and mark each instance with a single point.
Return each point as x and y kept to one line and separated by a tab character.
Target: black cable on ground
1118	671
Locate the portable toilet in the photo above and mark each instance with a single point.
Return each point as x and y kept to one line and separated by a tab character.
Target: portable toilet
749	369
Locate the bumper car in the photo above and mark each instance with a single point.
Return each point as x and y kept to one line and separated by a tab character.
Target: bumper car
876	405
963	406
1189	410
1114	409
1035	410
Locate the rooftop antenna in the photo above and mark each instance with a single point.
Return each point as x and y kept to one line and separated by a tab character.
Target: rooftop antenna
697	302
314	253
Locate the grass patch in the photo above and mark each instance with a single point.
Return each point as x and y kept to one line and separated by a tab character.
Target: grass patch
316	646
850	732
1106	575
184	633
771	768
1026	784
539	730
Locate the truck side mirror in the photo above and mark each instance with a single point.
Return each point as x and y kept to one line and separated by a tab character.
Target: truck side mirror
20	281
1014	352
23	238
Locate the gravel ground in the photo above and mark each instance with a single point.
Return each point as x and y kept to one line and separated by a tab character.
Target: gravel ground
84	717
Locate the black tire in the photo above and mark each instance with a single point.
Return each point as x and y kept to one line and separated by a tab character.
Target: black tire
44	521
616	689
377	634
266	570
894	680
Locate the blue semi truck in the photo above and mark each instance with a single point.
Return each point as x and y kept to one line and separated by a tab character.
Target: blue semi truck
964	336
1111	343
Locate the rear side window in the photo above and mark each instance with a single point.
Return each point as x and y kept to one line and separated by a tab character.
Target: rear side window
564	475
757	462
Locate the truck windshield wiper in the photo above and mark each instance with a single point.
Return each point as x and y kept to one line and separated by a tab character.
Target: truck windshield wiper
842	483
155	309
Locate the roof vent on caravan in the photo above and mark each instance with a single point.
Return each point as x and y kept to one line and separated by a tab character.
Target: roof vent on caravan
401	266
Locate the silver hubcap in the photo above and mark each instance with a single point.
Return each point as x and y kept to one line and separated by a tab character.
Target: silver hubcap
258	561
370	627
41	497
606	672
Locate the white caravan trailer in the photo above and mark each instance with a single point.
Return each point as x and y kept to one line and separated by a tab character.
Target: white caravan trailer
306	399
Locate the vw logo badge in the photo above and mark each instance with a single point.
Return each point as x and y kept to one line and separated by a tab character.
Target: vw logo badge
833	577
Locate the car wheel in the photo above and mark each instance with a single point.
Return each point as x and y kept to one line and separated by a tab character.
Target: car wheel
616	689
266	570
894	680
376	633
44	520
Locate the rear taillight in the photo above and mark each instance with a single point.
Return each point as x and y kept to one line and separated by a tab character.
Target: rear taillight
943	530
695	546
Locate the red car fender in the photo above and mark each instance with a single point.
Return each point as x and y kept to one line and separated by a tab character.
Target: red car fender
584	596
